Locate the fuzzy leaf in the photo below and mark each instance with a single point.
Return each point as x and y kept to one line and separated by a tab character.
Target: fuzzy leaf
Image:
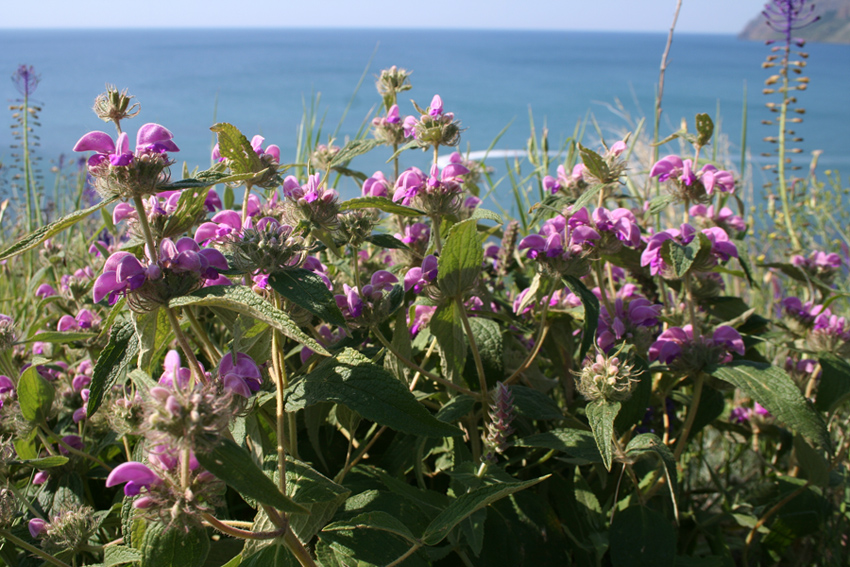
152	331
681	257
594	163
834	386
174	546
591	312
191	207
447	328
306	289
601	415
705	128
270	556
650	444
775	390
119	555
386	241
535	404
120	351
60	337
467	504
41	234
376	520
461	259
35	395
242	299
353	380
576	443
317	493
233	464
233	145
484	214
353	149
384	204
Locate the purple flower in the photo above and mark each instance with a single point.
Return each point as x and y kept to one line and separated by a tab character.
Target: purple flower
421	317
151	138
678	341
632	313
619	222
313	191
45	290
37	526
377	185
673	167
26	81
740	414
725	218
419	277
712	177
242	377
223	225
436	107
135	475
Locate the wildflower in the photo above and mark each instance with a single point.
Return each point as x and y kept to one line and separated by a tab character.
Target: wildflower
242	377
315	200
269	247
501	416
45	290
818	264
222	226
606	378
417	278
134	476
690	185
323	156
421	317
370	305
721	249
7	332
562	247
434	127
115	106
724	218
438	193
376	186
117	170
677	347
634	319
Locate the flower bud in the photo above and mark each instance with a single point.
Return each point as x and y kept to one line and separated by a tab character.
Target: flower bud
607	378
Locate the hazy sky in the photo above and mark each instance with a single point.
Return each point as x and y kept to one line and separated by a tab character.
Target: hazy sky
708	16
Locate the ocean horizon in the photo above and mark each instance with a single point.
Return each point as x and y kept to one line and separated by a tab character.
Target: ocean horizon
262	79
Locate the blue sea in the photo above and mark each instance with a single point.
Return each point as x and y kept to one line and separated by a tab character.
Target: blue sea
262	80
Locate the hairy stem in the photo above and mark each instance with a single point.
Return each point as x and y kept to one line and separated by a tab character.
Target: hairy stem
280	386
476	356
692	414
239	533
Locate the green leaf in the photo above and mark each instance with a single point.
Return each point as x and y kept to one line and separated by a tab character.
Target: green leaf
364	547
242	299
576	443
456	408
353	149
44	462
813	462
834	385
120	351
384	204
376	520
660	202
119	555
404	148
634	409
488	337
587	196
466	505
353	380
681	257
306	289
705	128
233	145
271	556
319	494
461	259
233	464
535	404
775	390
641	537
174	546
484	214
152	331
591	312
650	444
595	164
41	234
60	337
35	395
386	241
447	328
191	207
601	415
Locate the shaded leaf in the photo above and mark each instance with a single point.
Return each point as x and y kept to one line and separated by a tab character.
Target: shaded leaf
574	442
233	464
306	289
35	395
650	444
834	386
384	204
535	404
41	234
641	537
386	241
174	546
353	380
460	261
467	504
591	312
243	300
60	337
447	328
601	415
775	390
594	163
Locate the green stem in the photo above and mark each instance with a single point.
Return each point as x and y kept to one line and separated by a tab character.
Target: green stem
600	281
9	536
194	365
212	351
412	365
146	228
245	203
476	356
356	266
435	226
783	186
692	414
238	533
27	170
405	555
297	548
70	449
280	386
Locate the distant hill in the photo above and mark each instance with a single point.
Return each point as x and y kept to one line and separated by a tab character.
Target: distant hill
833	27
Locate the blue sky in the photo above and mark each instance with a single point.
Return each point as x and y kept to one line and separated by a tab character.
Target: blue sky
708	16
